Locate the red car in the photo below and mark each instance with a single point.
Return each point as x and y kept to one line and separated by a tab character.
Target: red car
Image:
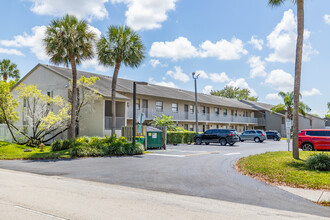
314	139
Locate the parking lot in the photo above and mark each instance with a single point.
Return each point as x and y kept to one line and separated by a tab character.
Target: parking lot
196	170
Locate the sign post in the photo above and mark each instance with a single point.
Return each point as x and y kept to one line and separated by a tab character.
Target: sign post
288	124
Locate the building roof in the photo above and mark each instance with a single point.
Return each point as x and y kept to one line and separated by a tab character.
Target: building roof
126	86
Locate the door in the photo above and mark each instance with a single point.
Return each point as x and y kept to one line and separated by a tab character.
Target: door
208	113
207	136
186	112
145	107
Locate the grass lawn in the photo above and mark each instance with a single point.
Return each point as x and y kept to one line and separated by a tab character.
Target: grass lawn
281	169
9	151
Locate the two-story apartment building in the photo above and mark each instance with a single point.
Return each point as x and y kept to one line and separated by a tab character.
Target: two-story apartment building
152	100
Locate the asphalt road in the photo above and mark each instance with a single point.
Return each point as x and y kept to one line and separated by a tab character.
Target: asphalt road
203	171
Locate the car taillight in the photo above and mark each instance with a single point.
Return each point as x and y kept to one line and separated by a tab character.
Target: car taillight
230	135
262	134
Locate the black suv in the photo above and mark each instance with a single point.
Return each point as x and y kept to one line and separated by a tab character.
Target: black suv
222	136
275	135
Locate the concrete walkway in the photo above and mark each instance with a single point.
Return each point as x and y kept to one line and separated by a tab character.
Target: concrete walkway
313	195
31	196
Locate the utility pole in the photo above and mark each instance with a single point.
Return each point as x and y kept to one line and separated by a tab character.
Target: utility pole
195	77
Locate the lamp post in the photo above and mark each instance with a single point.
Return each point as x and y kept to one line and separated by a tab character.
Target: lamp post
134	107
195	77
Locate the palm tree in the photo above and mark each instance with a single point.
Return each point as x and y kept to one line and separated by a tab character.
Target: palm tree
299	51
8	69
288	99
121	45
69	41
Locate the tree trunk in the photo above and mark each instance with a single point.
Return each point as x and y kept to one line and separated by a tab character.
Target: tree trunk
113	97
72	130
5	77
299	51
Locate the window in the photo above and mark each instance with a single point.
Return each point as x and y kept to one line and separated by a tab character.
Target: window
174	107
315	133
185	127
24	102
216	110
137	104
209	132
159	106
191	128
191	109
203	109
234	112
50	94
225	112
217	126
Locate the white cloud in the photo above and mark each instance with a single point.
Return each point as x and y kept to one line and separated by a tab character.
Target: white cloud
327	19
202	74
167	84
223	49
180	48
154	63
283	40
178	74
280	80
257	67
11	52
33	41
207	89
273	96
257	43
219	77
241	83
311	92
87	9
146	14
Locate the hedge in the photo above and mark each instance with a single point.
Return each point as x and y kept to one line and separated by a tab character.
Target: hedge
180	137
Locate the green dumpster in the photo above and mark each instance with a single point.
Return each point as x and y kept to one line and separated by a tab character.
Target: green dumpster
154	138
141	139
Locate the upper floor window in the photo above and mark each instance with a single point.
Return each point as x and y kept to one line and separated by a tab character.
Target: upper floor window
216	110
234	112
203	109
137	104
174	107
191	109
159	106
225	112
50	94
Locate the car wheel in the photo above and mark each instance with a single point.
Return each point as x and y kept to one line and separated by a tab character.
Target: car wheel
307	147
198	141
231	144
223	142
257	140
207	143
275	139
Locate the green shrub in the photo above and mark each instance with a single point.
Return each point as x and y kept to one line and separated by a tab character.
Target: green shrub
62	145
319	162
180	137
80	150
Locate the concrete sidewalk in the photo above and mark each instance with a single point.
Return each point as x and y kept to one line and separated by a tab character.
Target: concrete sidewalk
26	195
310	194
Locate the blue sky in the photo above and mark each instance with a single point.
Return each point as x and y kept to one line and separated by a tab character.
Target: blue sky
241	43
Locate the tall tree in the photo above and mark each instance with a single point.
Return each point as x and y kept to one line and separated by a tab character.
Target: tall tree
288	105
234	93
8	69
120	45
69	41
298	62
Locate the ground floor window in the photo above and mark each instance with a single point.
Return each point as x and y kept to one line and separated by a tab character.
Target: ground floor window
185	127
191	128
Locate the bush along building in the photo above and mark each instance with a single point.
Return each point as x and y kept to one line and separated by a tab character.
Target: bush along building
154	100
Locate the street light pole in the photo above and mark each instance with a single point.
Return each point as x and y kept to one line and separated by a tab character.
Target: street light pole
134	108
195	77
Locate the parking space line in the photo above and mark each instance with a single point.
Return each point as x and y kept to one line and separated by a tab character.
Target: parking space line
231	154
166	155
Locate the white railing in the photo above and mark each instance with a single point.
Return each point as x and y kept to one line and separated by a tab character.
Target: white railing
120	122
187	116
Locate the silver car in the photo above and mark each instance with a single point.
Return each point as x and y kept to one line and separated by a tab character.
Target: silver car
257	136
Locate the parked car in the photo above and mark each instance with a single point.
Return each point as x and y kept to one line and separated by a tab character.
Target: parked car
222	136
275	135
257	136
314	139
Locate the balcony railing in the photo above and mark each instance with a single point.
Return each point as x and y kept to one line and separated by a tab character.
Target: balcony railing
202	117
120	122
